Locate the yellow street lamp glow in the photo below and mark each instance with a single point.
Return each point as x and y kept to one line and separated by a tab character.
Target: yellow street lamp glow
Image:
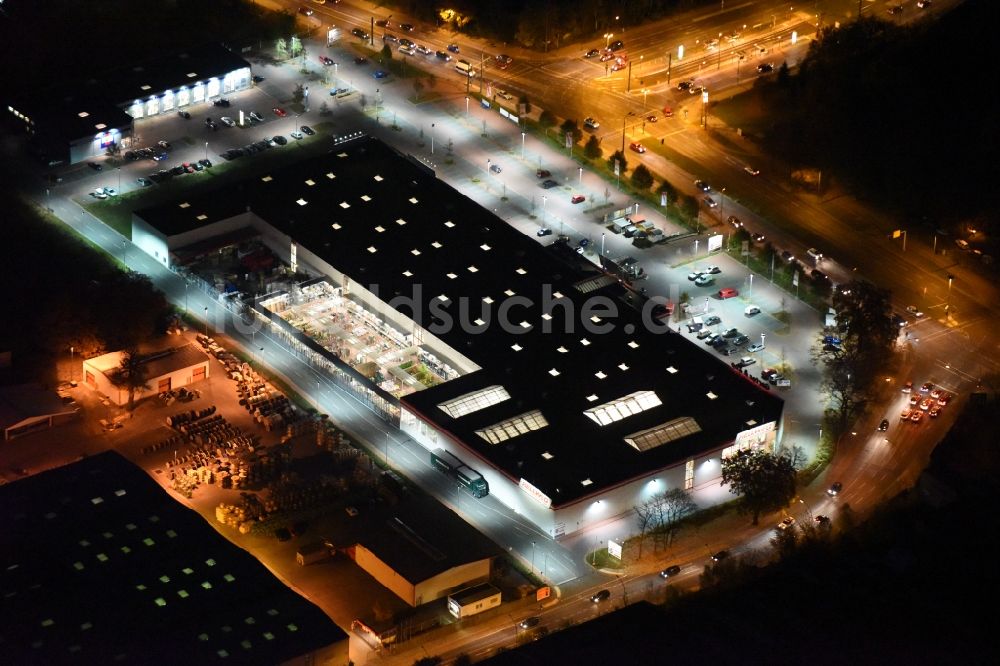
680	52
795	36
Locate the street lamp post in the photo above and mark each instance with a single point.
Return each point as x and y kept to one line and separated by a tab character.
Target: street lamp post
466	106
607	38
522	144
206	150
750	290
581	176
761	343
947	304
532	557
544	199
206	321
432	138
625	120
386	448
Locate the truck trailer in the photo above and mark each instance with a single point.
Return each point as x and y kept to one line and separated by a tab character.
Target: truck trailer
467	477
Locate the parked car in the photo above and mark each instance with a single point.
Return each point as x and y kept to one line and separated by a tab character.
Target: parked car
278	139
591	123
712	321
184	114
308	131
704	280
144	182
543	173
544	231
256	117
205	162
637	147
755	347
278	111
728	292
95	166
765	68
751	310
549	184
786	523
578	198
529	622
222	101
496	168
227	121
297	135
380	74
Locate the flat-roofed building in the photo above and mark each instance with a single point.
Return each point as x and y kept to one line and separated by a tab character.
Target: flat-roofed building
165	371
572	405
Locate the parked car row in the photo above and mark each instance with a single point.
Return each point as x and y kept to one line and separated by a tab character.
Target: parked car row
179	170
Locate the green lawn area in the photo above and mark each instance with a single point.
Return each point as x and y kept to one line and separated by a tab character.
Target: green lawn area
117	212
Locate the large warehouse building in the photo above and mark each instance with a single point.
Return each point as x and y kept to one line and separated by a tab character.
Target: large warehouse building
571	404
73	122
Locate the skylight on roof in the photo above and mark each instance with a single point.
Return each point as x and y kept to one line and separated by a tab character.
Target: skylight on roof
525	325
407	273
516	347
474	401
400	221
415	252
378	178
586	482
595	319
473	269
633	344
554	372
670	431
310	182
672	370
449	224
330	175
547	455
191	75
479	322
451	276
100	126
96	500
616	410
372	249
546	316
145	86
184	204
622	367
600	374
380	228
561	349
443	297
711	396
585	342
83	114
488	300
518	425
300	201
557	294
436	245
344	204
336	226
365	198
201	218
267	179
592	397
413	200
485	248
521	271
510	292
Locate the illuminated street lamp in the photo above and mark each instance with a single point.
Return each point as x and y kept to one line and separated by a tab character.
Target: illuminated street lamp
466	106
704	109
522	144
607	38
624	120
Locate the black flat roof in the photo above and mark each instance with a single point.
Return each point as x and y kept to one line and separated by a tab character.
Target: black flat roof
388	224
77	108
100	565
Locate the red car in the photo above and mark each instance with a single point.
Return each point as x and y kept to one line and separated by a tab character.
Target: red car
668	112
326	61
278	111
728	292
578	198
637	147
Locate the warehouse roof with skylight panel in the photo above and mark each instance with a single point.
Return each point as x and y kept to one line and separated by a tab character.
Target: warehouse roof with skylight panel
99	565
570	396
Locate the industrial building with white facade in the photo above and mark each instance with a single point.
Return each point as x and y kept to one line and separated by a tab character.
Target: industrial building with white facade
79	120
550	383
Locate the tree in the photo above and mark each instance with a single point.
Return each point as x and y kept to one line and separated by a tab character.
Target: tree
462	660
642	178
547	119
618	156
130	375
765	482
688	206
592	149
785	541
668	189
570	127
427	661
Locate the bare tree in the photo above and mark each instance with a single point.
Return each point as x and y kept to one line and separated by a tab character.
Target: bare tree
130	374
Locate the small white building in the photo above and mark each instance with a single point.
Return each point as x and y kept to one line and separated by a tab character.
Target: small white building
473	600
29	408
165	370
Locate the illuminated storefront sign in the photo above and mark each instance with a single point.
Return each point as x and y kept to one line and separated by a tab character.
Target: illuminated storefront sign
535	494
